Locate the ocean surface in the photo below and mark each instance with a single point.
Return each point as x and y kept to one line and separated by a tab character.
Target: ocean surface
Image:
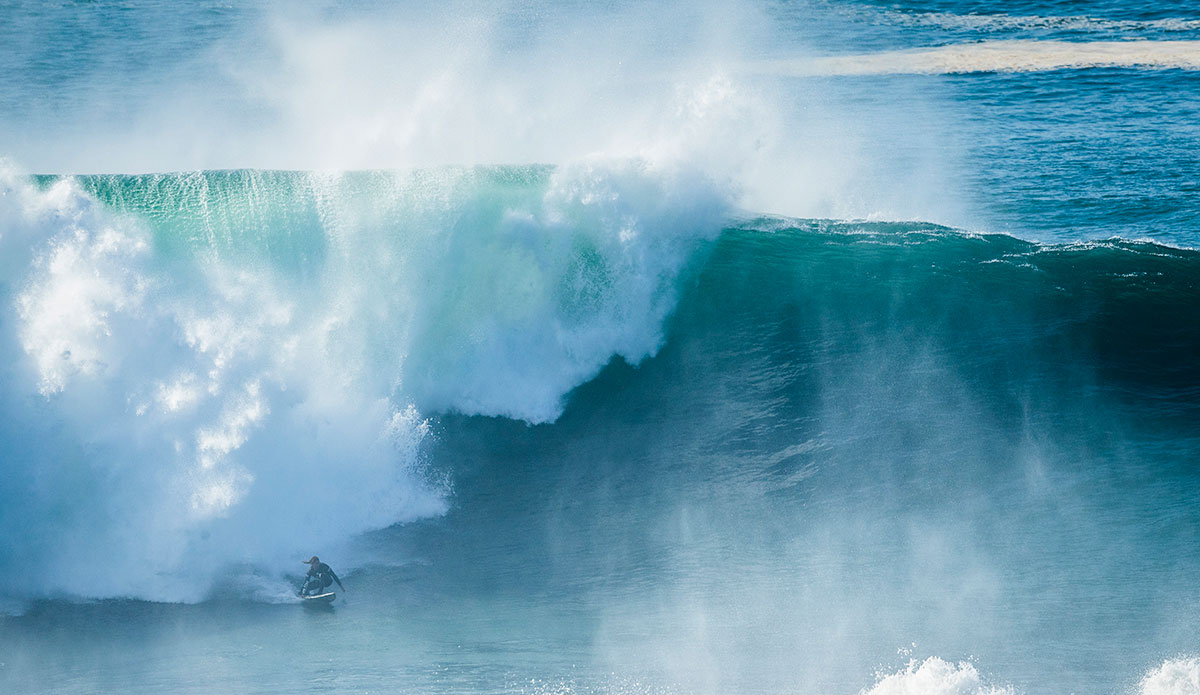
640	349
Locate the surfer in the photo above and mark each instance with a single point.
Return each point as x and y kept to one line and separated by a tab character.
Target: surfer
320	576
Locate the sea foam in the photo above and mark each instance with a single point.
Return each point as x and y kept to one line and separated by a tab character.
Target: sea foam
1174	677
935	676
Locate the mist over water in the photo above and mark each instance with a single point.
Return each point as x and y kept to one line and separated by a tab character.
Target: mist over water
328	87
601	348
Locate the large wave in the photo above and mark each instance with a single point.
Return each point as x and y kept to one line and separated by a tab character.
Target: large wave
230	369
226	369
222	372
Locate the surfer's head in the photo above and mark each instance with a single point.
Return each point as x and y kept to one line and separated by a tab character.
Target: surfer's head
312	560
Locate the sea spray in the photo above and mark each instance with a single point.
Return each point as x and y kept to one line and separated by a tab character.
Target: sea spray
228	369
136	405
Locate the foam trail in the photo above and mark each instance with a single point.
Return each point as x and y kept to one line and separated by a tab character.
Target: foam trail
997	56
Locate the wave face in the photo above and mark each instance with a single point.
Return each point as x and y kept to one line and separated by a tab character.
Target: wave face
864	435
216	370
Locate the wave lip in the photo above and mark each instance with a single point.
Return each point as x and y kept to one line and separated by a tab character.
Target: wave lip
1016	55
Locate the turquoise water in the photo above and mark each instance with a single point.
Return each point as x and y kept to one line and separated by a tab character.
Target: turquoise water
820	347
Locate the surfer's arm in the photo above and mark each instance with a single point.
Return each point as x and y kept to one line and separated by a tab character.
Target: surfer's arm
335	578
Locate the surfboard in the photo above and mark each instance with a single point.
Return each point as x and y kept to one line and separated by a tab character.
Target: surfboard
321	598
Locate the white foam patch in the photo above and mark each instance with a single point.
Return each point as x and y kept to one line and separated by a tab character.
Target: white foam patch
1173	677
935	676
85	276
998	56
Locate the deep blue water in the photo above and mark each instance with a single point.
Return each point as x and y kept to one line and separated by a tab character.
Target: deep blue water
818	347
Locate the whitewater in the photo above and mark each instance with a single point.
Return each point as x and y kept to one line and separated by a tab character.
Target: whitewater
730	347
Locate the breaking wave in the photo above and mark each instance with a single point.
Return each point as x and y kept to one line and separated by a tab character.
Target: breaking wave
212	373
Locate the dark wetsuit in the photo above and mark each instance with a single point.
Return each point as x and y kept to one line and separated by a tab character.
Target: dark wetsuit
319	577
